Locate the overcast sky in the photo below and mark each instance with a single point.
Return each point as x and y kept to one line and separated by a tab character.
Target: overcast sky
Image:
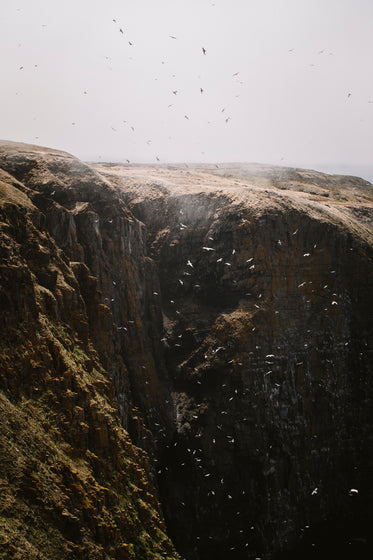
286	82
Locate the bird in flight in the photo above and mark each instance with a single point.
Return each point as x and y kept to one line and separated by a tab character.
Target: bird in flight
175	92
203	50
201	90
172	37
121	30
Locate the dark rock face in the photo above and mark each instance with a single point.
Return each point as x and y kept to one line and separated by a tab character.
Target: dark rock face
267	307
223	316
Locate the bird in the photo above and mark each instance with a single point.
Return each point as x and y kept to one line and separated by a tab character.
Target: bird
235	74
157	158
186	117
208	249
190	264
175	92
121	30
201	90
172	37
203	50
349	95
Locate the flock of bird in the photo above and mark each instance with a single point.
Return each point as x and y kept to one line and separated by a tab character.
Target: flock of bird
196	456
176	91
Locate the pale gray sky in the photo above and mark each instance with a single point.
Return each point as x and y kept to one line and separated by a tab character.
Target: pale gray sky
286	82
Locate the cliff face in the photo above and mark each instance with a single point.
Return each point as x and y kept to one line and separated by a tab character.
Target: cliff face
265	279
208	327
73	484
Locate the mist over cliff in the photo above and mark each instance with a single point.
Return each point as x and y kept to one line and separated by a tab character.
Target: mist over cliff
186	356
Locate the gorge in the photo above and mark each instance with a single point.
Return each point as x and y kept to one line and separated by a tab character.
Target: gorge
186	357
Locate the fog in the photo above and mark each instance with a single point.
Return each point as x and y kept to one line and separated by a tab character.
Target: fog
286	82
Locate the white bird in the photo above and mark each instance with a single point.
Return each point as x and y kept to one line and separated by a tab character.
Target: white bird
190	264
181	282
208	249
219	260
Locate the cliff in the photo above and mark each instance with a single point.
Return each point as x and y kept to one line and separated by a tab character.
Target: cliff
73	485
199	338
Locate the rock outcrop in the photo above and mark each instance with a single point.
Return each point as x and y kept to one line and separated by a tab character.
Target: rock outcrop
188	343
73	485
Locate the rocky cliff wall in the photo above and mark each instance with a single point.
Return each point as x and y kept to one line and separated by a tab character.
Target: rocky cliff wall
219	318
265	286
73	484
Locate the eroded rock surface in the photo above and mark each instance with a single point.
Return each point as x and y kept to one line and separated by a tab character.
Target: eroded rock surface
76	321
197	336
265	278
